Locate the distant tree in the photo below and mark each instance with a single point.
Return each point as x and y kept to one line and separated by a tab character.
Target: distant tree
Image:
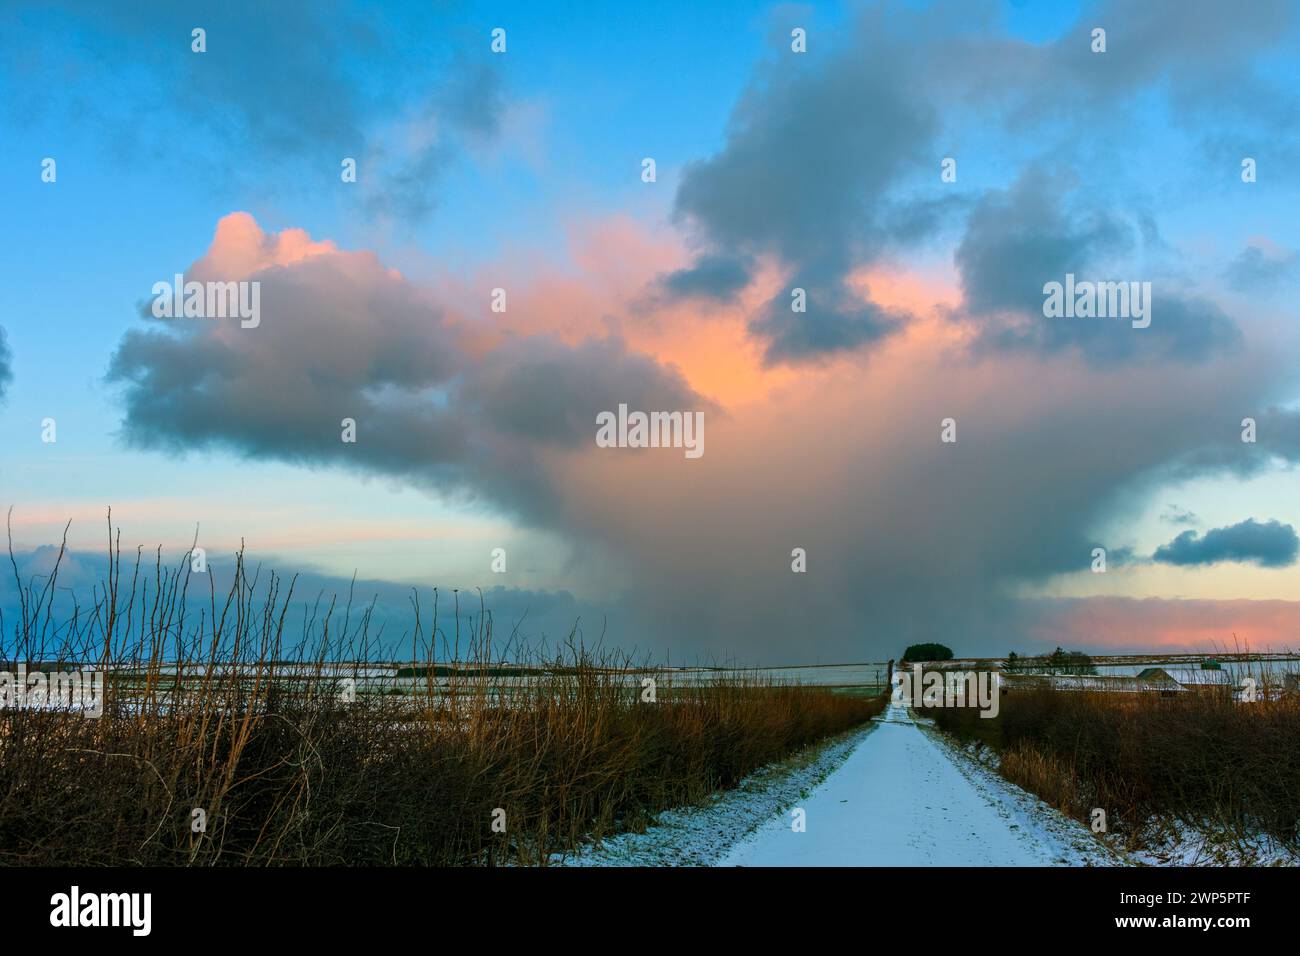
927	652
1058	662
1068	662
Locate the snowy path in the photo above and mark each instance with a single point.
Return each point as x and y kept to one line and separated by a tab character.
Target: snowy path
904	799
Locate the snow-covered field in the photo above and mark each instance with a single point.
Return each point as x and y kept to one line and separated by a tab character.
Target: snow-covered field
893	794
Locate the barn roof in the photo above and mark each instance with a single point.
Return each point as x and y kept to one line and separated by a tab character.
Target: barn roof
1189	676
1095	682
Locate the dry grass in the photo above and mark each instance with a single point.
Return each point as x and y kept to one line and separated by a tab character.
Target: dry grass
1200	759
1043	773
220	714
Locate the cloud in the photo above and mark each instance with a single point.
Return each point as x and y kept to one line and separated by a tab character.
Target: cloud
714	277
341	336
797	182
836	321
1198	54
6	364
1220	450
830	162
1262	267
1018	238
908	539
1269	545
1173	514
828	170
282	94
1117	625
1021	238
403	161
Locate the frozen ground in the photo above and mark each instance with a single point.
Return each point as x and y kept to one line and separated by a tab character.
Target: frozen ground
893	794
1183	845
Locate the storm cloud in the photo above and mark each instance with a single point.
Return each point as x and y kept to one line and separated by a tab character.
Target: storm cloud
829	167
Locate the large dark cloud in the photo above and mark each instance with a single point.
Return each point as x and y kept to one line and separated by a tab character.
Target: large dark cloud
342	337
908	539
1269	544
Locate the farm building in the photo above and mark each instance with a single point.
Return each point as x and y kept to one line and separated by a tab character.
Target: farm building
1103	683
1196	680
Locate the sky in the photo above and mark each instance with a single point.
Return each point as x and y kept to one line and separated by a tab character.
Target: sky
920	170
